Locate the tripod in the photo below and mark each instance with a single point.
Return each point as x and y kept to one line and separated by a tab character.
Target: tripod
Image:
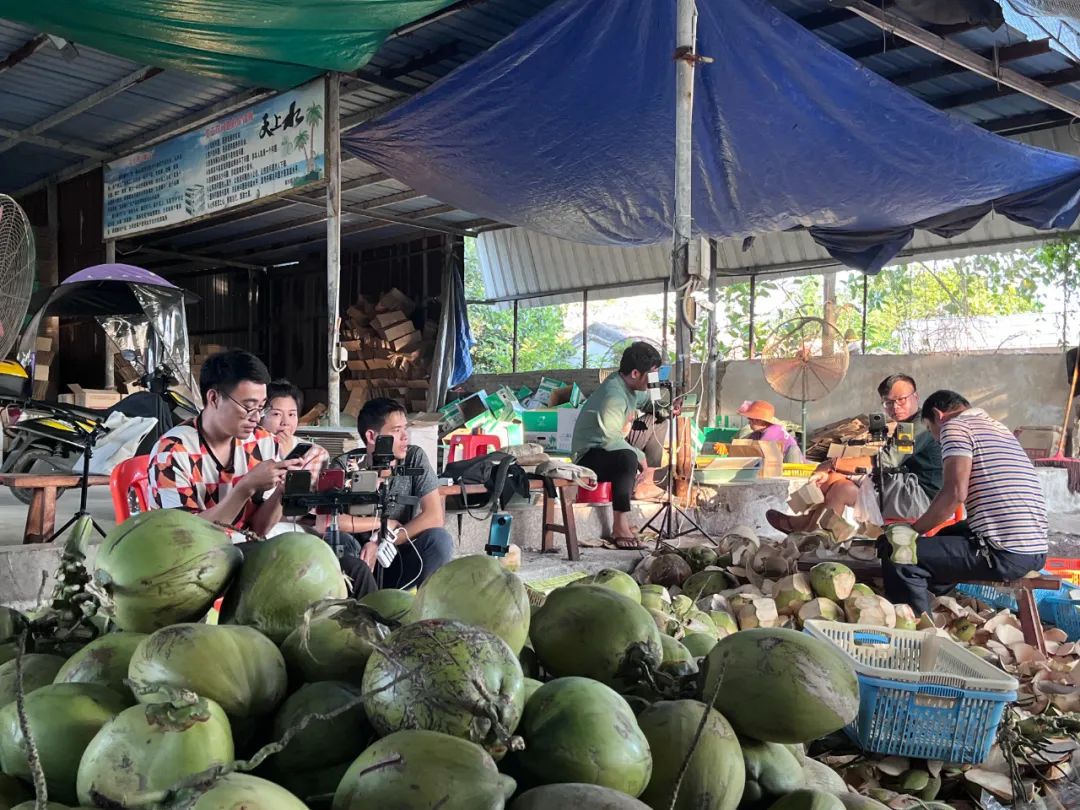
671	516
84	485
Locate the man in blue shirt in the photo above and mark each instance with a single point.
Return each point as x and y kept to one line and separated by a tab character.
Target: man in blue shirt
600	443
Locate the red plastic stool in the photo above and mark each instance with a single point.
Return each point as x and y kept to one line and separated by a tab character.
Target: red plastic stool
602	493
472	445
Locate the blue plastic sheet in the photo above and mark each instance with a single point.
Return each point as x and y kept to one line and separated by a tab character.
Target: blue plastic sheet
566	127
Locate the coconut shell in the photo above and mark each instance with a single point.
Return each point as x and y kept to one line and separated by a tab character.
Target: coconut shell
792	592
832	580
669	570
760	612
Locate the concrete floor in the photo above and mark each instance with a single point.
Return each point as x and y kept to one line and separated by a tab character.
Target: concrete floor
13	512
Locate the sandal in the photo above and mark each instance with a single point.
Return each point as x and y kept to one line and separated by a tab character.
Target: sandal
628	543
781	522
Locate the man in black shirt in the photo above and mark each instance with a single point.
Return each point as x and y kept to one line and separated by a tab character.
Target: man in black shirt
423	543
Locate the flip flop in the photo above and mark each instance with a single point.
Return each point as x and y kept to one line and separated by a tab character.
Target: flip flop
629	543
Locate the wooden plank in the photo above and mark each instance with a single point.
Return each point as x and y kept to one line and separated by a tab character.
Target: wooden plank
36	481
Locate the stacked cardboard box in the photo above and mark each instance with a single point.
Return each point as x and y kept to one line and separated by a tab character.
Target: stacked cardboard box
388	355
43	359
200	353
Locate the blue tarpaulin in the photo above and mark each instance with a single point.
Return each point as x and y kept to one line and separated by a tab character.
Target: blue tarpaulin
566	127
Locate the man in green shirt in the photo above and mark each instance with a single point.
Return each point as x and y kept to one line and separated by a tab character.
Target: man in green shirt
599	441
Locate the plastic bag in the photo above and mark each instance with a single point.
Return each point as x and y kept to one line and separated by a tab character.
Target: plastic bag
866	504
903	498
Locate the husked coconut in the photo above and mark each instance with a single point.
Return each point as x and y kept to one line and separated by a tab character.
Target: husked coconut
820	608
792	592
870	610
832	580
760	612
905	617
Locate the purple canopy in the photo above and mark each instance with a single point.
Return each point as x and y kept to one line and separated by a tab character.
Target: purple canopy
118	272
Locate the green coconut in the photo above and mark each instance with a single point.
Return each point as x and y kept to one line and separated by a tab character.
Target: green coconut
423	770
148	749
808	800
477	590
334	644
529	688
618	581
699	644
238	791
578	730
237	667
822	609
819	776
665	622
698	621
32	805
862	589
322	743
163	567
577	796
104	660
856	801
677	659
832	580
530	664
779	685
596	633
714	778
701	557
654	597
281	577
792	592
38	669
442	675
706	583
724	622
63	718
772	771
390	604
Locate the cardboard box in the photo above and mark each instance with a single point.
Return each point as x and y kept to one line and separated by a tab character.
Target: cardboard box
407	341
771	453
396	299
357	397
566	419
542	397
1041	438
424	433
384	320
44	343
41	372
93	397
567	395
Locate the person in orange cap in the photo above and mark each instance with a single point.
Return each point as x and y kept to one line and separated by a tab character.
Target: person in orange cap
765	427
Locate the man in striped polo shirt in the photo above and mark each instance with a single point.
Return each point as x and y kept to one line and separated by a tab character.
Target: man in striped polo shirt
985	470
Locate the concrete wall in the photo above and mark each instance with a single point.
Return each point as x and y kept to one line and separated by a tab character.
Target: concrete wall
1018	389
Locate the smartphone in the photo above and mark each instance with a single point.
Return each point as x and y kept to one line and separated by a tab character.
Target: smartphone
298	452
498	543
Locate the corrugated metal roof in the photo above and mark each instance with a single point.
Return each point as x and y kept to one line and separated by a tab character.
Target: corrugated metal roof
46	83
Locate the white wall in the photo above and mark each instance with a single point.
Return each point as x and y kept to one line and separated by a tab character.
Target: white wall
1017	389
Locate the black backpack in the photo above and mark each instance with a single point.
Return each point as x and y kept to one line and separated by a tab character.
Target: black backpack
499	473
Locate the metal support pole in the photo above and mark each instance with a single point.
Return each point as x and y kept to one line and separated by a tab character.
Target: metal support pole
514	353
664	327
110	366
685	247
584	328
753	301
865	289
713	352
333	244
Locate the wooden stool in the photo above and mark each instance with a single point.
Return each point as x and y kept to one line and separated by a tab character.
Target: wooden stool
568	527
41	514
1027	608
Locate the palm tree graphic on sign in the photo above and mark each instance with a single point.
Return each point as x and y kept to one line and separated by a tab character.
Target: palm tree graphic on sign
314	115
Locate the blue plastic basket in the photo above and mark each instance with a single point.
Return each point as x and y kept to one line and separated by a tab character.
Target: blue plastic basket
920	695
1002	598
1063	612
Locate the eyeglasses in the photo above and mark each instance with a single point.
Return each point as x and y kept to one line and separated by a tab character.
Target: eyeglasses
892	403
258	410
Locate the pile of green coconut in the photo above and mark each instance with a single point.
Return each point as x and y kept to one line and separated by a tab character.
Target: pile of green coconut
467	695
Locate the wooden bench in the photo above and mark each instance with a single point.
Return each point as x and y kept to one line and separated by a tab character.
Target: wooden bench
1024	590
567	491
41	516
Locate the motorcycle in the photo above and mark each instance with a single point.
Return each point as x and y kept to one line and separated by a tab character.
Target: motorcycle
144	319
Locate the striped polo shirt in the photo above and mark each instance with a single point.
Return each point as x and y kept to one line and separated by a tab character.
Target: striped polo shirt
1005	504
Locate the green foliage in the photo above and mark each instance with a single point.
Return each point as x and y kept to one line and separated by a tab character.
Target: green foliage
542	344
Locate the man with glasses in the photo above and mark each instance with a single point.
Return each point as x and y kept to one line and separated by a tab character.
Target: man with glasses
910	481
222	465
